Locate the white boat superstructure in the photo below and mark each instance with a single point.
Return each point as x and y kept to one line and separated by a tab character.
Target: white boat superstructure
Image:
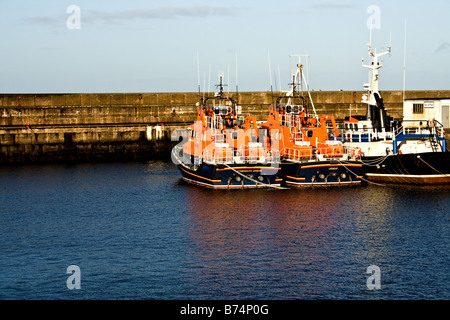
399	151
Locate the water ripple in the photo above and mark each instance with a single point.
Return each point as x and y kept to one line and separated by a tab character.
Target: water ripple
137	232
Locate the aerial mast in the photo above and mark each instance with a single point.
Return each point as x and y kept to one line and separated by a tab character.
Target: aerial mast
373	98
373	66
301	74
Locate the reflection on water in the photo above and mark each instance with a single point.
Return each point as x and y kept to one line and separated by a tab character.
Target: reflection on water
318	243
138	228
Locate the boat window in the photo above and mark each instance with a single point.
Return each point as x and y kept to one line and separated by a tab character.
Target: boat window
346	126
276	135
309	134
221	110
234	135
356	127
418	108
365	127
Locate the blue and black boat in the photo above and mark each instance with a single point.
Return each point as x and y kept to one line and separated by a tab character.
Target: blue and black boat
310	153
225	150
404	151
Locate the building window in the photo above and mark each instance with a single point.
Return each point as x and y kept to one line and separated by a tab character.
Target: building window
418	108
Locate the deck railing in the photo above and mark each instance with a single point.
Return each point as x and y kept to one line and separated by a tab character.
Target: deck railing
253	153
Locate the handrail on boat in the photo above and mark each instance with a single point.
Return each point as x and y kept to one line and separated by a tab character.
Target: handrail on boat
245	154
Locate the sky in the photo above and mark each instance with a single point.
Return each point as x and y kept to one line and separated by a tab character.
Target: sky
100	46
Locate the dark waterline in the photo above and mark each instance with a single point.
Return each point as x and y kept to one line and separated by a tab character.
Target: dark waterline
138	232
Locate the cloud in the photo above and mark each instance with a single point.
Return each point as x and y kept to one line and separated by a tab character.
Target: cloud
164	12
443	47
44	21
330	5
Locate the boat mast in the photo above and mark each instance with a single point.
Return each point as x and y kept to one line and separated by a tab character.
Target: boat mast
198	76
404	64
220	87
373	66
301	74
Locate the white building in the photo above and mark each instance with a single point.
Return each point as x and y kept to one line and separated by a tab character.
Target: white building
416	112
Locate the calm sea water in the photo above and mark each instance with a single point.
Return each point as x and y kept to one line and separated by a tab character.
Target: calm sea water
136	231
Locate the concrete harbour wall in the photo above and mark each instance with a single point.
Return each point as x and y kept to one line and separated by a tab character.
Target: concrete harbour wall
86	127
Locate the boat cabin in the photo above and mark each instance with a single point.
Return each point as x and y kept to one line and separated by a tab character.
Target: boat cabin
417	113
